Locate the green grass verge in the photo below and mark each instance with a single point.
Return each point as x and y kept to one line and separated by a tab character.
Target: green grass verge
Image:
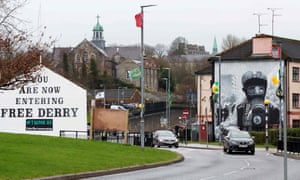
33	156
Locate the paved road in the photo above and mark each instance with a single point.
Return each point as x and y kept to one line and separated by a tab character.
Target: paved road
203	164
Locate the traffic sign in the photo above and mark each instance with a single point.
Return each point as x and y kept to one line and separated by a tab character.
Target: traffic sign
185	113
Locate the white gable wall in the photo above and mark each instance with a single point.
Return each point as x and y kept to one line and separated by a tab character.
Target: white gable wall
49	105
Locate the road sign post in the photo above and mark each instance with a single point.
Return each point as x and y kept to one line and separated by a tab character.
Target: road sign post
185	114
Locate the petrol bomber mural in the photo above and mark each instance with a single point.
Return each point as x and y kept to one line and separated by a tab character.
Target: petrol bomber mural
244	86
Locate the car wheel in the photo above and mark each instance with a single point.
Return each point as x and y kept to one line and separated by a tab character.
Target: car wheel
229	151
224	149
252	152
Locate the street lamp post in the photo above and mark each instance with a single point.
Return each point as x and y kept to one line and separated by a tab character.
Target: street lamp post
166	79
122	101
104	102
142	78
219	97
119	95
283	80
168	91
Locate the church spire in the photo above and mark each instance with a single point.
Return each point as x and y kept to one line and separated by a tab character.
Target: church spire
215	47
98	38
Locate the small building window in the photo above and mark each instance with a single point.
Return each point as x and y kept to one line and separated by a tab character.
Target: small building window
295	74
296	123
85	56
295	100
77	58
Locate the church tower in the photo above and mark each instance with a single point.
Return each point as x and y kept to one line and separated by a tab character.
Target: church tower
215	47
98	38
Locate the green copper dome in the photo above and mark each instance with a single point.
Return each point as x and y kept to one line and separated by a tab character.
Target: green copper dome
98	26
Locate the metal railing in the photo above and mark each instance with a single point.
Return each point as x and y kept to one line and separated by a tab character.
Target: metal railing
293	145
74	134
133	138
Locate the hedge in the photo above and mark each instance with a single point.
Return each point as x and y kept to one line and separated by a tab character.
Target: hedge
260	136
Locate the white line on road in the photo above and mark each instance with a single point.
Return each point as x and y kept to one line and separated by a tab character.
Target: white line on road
229	173
207	178
247	165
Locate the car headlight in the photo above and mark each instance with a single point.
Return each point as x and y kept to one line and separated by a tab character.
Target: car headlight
251	142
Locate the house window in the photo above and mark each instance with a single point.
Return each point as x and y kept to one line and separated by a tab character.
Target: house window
295	100
295	74
85	56
296	123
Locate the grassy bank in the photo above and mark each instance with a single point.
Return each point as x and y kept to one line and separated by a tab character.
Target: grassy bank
31	156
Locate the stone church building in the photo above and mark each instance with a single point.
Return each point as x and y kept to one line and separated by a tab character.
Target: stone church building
113	61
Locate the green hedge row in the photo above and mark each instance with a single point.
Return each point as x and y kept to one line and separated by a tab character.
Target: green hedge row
260	136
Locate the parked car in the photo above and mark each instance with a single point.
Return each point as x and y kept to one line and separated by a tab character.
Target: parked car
164	138
117	107
239	141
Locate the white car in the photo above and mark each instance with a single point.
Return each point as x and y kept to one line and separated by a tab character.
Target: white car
117	107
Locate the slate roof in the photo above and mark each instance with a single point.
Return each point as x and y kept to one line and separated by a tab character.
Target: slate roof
58	53
290	49
114	93
243	51
128	52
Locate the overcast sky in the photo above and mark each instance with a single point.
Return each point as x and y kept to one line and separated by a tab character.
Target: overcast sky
199	21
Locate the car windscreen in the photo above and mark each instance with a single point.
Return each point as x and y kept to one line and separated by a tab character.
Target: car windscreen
165	133
239	134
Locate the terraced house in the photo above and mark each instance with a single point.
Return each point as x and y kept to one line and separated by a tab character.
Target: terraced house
262	68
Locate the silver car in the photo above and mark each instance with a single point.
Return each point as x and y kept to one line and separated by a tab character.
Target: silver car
164	138
239	141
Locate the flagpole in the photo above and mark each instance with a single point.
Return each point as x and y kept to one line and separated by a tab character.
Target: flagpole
142	123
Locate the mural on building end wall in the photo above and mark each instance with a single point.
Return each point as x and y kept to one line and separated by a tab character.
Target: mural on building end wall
244	86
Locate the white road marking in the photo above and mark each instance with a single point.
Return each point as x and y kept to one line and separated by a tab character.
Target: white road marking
247	165
229	173
210	177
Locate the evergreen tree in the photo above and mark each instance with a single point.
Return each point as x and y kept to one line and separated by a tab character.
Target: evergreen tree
65	63
83	72
93	74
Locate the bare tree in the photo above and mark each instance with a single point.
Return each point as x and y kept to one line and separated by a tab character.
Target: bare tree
8	20
178	46
160	50
230	41
19	56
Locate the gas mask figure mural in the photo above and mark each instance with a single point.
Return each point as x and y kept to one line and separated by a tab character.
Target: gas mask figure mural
243	88
251	112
